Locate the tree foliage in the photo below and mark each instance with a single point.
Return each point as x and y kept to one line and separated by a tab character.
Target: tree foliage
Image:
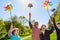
17	22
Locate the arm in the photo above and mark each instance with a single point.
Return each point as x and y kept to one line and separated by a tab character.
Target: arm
10	31
30	24
54	24
51	30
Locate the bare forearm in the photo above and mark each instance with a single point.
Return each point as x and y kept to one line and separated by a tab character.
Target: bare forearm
10	31
11	27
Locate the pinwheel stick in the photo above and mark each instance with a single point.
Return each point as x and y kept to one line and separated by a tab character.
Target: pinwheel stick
11	17
49	13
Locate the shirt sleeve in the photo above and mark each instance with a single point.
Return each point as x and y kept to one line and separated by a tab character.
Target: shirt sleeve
54	24
10	33
30	24
51	30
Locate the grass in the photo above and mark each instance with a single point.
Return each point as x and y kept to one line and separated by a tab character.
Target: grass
52	37
30	38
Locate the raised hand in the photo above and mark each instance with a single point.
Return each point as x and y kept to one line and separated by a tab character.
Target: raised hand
52	17
51	22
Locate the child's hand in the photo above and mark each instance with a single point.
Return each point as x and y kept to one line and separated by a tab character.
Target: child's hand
11	27
52	19
52	16
51	22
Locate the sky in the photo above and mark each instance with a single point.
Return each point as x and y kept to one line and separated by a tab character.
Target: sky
20	8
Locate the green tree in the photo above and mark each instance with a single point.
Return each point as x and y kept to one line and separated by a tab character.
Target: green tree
3	31
23	20
57	13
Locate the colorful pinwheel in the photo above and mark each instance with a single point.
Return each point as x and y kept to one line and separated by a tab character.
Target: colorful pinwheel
8	7
47	4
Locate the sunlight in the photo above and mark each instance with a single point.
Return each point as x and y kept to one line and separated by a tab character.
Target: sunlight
26	2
